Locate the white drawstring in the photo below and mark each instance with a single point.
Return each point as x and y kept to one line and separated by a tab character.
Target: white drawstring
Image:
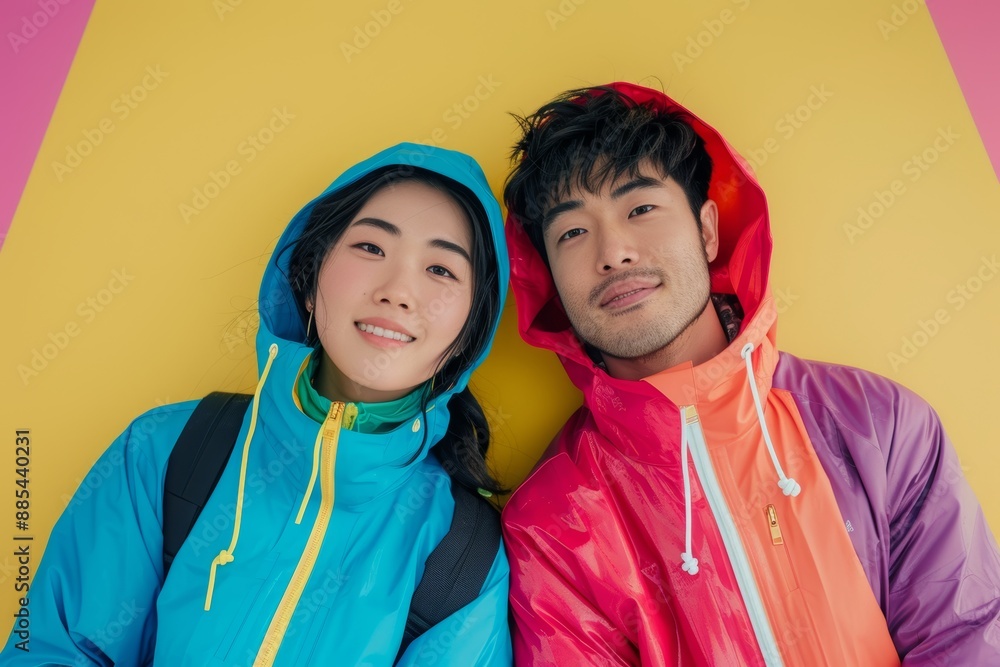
689	562
787	485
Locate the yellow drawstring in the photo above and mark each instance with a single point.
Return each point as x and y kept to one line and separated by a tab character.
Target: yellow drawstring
226	555
350	414
312	476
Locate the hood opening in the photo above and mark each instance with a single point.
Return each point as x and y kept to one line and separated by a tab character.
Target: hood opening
741	267
281	319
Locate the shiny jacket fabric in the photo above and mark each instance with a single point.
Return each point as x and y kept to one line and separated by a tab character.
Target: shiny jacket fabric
883	558
328	529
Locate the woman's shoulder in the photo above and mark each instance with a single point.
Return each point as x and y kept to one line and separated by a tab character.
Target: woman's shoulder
153	433
430	478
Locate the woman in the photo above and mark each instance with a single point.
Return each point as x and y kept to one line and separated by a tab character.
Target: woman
381	297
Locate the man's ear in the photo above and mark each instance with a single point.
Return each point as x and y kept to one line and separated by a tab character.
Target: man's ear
709	216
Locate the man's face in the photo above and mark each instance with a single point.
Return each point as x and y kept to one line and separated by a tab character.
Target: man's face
630	264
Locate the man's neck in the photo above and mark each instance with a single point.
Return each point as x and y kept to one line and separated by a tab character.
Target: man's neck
703	339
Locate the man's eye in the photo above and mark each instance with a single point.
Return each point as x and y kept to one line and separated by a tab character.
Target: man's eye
438	270
639	210
571	233
370	248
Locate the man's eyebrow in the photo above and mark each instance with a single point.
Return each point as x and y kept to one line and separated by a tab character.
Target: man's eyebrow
557	210
378	223
635	184
450	247
619	192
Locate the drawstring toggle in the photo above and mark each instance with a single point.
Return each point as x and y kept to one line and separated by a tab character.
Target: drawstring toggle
787	485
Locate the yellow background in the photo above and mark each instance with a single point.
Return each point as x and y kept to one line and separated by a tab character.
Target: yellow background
182	326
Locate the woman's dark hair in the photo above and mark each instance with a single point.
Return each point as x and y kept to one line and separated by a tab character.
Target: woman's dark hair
462	451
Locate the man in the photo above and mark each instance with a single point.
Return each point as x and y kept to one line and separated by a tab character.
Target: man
714	501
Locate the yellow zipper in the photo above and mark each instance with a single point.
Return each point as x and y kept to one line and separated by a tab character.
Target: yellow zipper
328	459
772	523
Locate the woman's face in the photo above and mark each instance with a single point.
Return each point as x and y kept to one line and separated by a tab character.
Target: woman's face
393	294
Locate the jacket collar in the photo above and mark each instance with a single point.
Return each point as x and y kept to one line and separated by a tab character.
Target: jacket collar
368	464
718	388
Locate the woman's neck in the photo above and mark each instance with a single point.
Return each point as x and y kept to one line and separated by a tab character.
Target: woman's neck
335	386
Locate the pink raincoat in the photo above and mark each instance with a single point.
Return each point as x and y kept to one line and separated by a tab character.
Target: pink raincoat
826	507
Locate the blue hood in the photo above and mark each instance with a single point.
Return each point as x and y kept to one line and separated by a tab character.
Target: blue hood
280	319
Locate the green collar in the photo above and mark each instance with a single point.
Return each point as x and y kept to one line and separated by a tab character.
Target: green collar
372	417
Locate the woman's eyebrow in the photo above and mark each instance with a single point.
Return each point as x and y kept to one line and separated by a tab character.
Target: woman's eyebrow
380	224
451	247
390	228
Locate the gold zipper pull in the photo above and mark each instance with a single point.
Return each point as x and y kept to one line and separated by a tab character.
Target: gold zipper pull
331	425
690	414
350	416
772	523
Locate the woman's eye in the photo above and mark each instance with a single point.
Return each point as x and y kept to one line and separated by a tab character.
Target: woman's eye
639	210
571	233
441	271
369	248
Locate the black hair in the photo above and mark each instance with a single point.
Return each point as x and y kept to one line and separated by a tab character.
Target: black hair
589	137
462	451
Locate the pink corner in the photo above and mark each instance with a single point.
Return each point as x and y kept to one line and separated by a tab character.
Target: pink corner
40	39
968	31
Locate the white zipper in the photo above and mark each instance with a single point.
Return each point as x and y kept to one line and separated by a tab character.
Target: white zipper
731	539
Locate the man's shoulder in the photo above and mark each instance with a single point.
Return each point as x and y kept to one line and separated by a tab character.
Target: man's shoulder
861	401
818	380
564	469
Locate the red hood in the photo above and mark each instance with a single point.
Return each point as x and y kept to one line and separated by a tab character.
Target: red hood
741	267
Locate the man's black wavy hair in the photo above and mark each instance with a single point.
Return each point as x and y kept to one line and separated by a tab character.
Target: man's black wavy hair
590	137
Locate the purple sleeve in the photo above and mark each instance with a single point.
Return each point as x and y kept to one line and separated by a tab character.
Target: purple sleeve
916	526
943	606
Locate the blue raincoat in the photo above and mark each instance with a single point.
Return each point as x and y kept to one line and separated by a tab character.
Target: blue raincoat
333	588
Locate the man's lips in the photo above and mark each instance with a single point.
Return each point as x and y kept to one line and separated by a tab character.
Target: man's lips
627	292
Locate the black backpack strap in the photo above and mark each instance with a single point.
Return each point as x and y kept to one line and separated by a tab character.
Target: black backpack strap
196	464
456	570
